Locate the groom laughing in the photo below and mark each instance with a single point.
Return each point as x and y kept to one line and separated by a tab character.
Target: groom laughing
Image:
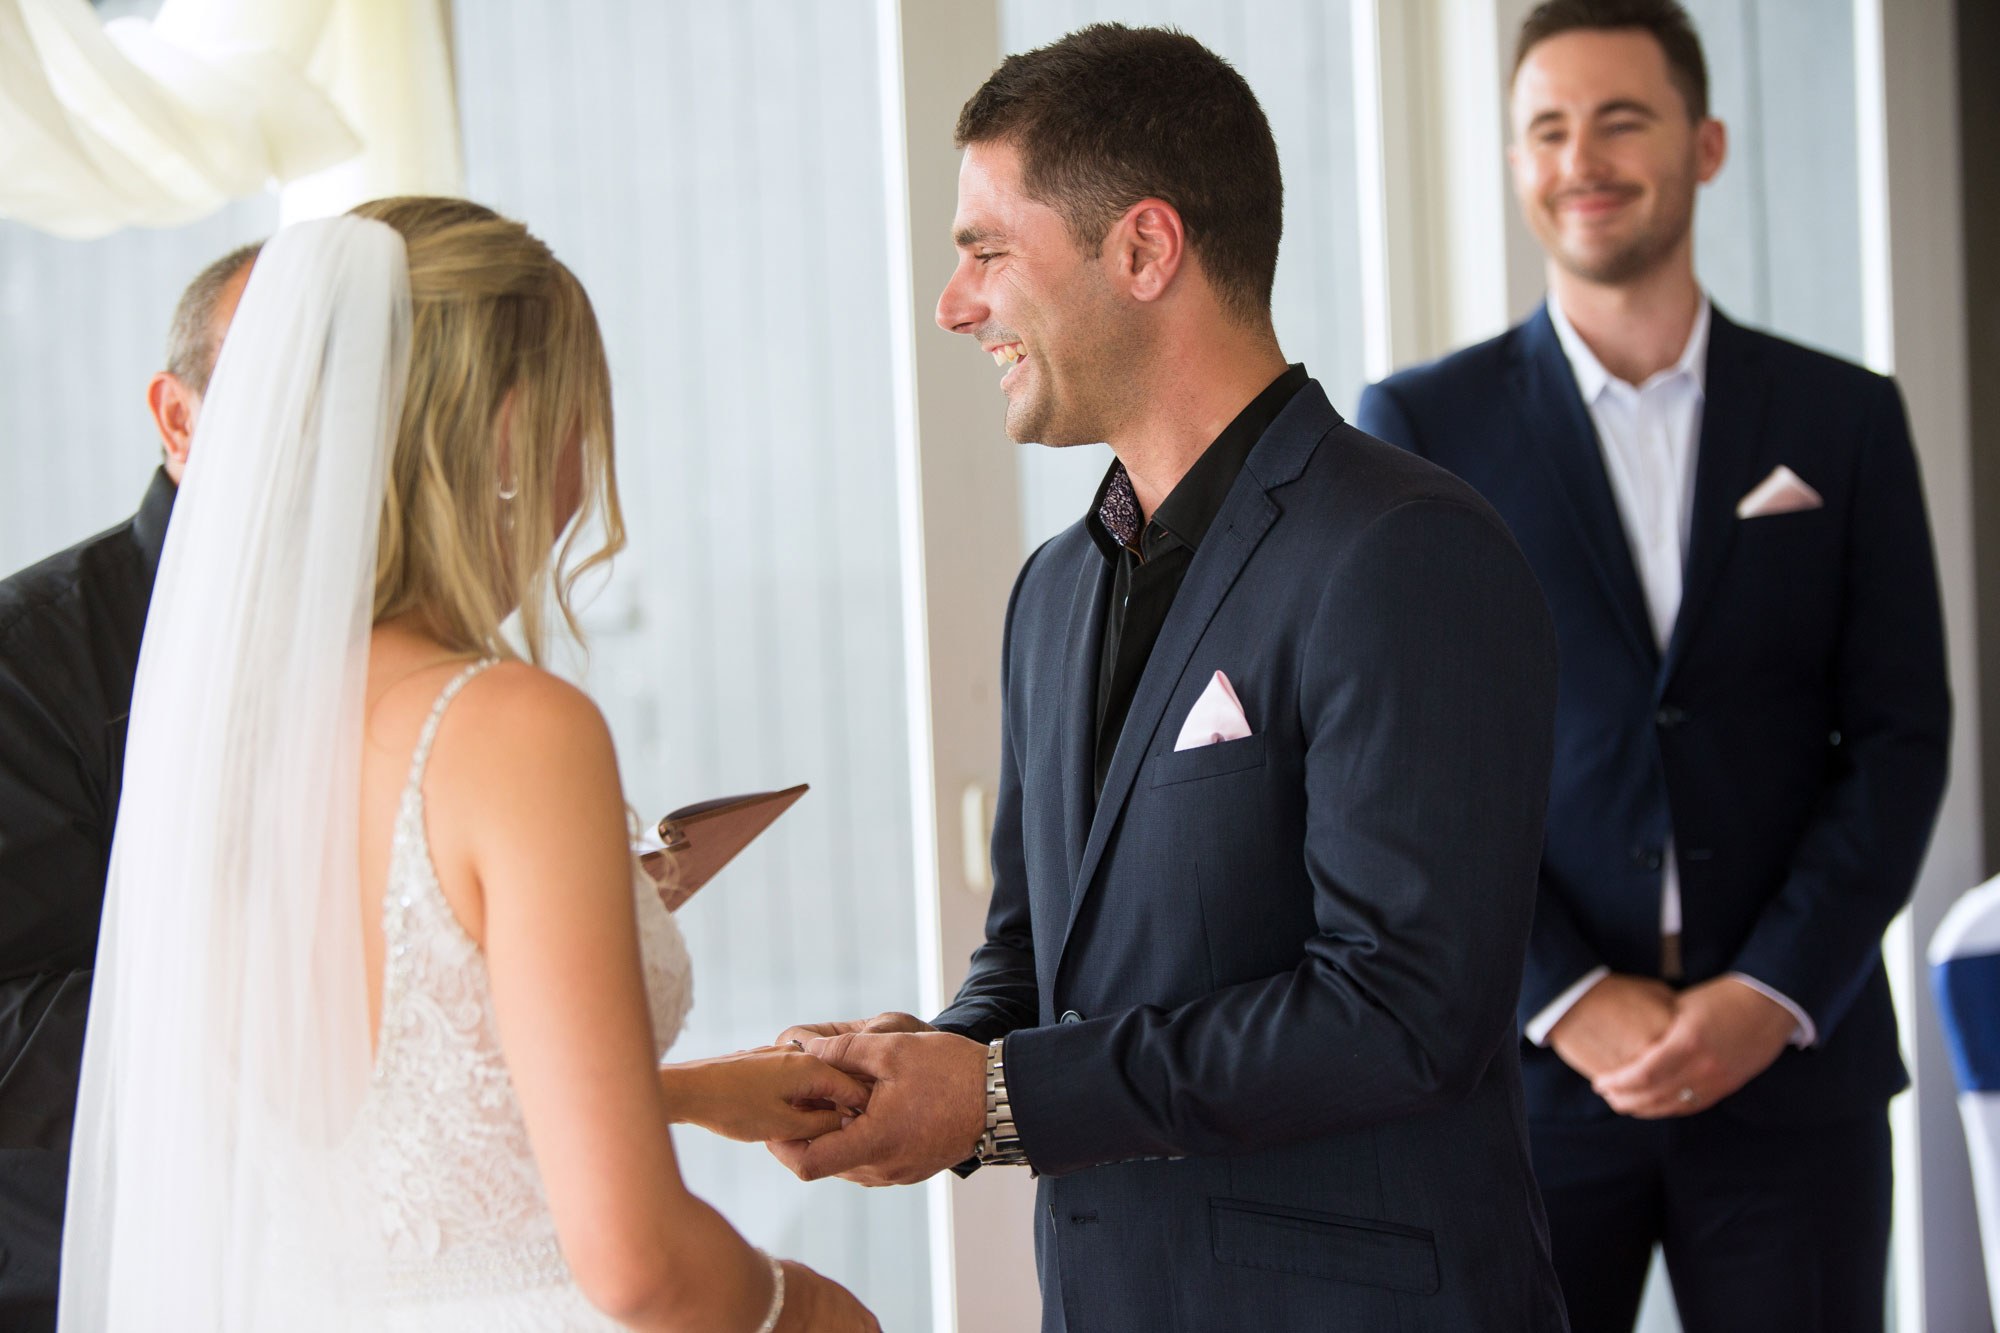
1277	719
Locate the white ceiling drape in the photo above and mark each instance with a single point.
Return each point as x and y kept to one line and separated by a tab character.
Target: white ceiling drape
136	123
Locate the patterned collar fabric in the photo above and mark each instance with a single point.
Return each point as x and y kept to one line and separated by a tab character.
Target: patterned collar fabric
1114	521
1118	511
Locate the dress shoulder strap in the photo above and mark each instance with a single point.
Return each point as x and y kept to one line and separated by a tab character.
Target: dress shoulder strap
421	755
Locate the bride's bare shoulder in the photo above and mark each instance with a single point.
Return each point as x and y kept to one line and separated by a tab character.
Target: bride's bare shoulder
524	775
515	712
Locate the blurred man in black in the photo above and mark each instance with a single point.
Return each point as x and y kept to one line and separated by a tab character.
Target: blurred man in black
69	648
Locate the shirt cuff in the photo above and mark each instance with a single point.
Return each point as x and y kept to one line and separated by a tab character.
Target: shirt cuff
1807	1031
1539	1026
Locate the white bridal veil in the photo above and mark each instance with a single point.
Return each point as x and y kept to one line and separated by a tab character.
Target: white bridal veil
228	1046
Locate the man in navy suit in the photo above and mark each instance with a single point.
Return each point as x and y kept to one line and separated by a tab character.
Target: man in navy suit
1277	716
1751	731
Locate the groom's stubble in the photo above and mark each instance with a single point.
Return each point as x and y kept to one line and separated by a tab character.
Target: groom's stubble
1091	356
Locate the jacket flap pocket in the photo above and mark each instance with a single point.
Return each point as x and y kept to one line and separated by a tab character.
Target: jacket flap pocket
1346	1249
1209	761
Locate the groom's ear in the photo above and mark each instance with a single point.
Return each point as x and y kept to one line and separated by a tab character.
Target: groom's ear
1146	247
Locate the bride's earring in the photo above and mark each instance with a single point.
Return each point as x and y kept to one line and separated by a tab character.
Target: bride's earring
509	492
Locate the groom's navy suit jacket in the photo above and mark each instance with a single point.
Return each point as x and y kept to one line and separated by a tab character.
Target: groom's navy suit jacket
1261	993
1790	740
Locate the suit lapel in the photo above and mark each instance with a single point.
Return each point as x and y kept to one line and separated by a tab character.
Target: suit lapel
1246	516
1079	706
1553	408
1731	459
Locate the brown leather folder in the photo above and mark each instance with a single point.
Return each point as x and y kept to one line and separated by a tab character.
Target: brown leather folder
698	840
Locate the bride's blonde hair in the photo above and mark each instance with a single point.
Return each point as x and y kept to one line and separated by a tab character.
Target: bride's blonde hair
506	369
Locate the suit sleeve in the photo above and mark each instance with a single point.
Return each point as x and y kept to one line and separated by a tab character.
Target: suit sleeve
1817	940
1558	954
1000	992
1427	706
1558	958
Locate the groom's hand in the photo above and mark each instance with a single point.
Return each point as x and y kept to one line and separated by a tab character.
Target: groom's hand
889	1022
926	1112
754	1096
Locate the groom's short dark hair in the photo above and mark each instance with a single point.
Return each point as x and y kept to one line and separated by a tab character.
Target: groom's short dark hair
1111	115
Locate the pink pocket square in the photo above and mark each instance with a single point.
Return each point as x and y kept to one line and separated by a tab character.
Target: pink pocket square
1783	492
1216	716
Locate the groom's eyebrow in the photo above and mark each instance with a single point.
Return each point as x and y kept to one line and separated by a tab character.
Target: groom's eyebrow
967	237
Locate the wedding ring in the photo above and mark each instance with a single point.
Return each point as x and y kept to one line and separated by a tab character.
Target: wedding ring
1687	1096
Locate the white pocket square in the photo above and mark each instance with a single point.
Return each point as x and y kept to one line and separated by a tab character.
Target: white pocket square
1783	492
1216	716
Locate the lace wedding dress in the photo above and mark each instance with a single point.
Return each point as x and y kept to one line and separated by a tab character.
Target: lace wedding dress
247	1155
469	1241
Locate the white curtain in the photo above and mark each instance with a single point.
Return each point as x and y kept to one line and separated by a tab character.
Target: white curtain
136	123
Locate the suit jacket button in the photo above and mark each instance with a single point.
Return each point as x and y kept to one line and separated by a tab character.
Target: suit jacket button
1670	716
1071	1016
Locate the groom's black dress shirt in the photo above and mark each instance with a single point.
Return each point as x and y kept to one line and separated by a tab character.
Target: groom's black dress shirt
69	648
1148	564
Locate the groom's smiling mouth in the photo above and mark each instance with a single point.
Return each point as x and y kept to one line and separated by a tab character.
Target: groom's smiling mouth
1009	355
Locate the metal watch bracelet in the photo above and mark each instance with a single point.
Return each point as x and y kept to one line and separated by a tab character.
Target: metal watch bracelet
1000	1145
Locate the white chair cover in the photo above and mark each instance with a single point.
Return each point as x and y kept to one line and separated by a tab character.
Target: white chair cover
1965	972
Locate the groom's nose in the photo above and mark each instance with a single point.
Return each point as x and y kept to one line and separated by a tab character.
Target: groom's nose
957	309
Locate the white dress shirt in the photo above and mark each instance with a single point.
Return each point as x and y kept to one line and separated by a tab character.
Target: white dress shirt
1649	435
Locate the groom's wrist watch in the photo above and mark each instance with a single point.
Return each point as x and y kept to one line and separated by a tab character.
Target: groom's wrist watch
1000	1145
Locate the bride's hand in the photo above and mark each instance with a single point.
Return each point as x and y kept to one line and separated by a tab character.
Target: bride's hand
815	1304
754	1096
889	1022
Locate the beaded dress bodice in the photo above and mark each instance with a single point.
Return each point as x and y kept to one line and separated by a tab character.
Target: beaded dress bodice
469	1239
